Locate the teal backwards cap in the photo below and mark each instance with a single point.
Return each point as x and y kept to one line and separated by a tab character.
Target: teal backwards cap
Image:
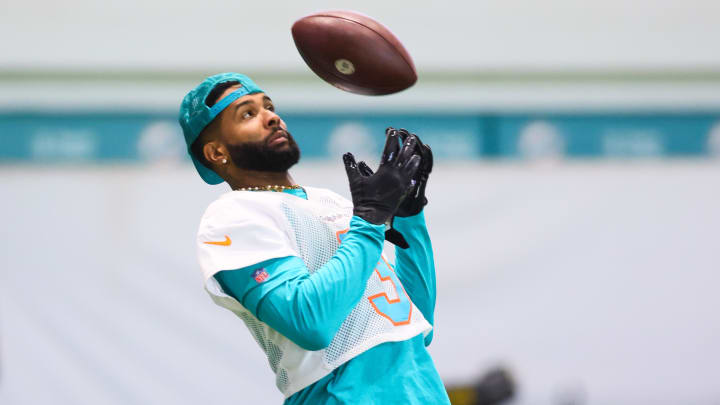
195	115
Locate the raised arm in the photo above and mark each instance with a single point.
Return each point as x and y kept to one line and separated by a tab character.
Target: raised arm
415	264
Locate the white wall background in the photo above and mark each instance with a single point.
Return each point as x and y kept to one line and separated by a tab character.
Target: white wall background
183	41
595	281
447	35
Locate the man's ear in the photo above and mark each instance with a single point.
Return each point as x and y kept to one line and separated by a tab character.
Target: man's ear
215	153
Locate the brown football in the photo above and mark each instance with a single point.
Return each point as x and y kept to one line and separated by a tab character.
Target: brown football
353	52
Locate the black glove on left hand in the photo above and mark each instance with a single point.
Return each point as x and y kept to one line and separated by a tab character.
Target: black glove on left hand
415	201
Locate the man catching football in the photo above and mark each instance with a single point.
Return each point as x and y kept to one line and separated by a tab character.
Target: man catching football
303	267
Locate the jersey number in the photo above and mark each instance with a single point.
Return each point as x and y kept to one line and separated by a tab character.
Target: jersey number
397	310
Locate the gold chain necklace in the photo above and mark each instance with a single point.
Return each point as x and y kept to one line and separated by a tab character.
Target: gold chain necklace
270	188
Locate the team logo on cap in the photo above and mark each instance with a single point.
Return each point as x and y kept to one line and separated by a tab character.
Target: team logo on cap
260	275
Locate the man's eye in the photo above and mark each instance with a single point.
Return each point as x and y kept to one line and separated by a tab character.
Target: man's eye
247	114
270	107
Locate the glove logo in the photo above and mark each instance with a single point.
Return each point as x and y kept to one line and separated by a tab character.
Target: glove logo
260	275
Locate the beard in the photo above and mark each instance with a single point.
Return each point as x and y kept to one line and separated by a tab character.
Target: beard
260	156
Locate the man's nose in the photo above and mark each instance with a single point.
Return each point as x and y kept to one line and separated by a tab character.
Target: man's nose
271	119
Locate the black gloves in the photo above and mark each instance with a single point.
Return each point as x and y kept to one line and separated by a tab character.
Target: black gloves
415	200
376	197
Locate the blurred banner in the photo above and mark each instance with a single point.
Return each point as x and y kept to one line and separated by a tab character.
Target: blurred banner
130	137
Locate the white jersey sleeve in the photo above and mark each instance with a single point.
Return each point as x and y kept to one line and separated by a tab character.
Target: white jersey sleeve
240	232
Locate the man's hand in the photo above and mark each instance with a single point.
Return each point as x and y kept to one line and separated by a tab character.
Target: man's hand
416	200
391	234
376	197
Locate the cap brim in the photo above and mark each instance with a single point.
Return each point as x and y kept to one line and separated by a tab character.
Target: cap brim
208	175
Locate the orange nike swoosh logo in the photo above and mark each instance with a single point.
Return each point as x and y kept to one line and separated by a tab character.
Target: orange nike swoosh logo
226	242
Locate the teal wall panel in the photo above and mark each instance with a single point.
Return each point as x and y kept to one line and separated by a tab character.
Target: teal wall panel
129	137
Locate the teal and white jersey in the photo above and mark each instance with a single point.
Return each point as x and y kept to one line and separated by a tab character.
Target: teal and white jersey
243	229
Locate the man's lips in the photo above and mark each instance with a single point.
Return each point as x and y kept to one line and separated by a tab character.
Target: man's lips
277	138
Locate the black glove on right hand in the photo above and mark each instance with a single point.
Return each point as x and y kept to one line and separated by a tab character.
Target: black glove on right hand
375	198
392	235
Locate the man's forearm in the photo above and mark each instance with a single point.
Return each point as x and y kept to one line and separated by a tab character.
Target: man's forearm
415	266
310	308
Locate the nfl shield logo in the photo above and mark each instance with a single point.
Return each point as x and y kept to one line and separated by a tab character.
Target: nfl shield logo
260	275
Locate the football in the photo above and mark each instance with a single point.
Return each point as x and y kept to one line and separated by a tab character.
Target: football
353	52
